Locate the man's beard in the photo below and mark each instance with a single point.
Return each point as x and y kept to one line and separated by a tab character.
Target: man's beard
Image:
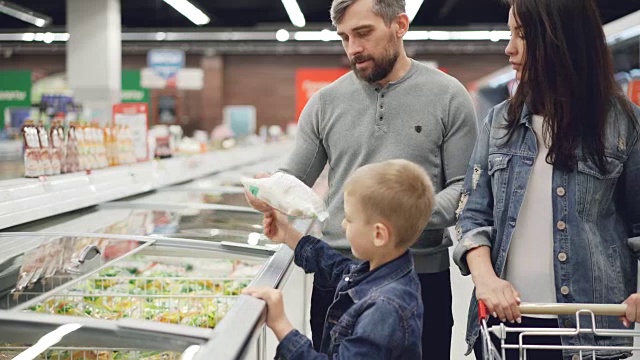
381	67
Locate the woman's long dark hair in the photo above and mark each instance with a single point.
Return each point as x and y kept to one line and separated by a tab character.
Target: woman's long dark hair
567	77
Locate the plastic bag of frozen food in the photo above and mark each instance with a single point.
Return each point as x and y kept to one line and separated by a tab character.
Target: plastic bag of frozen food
287	194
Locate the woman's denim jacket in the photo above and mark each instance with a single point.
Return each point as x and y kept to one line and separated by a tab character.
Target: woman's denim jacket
596	216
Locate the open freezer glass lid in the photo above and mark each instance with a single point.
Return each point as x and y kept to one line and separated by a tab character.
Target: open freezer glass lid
194	289
38	262
225	196
186	222
37	336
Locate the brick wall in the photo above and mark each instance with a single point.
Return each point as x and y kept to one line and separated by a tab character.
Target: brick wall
268	81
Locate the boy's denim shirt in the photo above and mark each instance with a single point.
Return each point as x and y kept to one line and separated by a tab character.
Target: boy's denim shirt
596	216
375	314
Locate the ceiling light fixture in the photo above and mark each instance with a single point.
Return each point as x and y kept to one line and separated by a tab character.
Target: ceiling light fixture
282	35
28	37
24	14
412	8
189	11
294	12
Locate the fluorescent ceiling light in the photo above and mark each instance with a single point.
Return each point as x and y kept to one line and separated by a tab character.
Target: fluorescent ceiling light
24	14
189	11
412	8
28	37
324	35
294	12
457	35
280	35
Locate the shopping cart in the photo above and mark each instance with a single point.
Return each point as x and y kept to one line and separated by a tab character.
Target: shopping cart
490	352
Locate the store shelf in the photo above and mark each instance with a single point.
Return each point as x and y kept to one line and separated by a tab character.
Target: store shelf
25	200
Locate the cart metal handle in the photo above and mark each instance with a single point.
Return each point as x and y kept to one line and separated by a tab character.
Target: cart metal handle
561	309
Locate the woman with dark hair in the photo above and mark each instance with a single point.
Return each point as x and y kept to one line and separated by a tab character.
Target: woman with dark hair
550	211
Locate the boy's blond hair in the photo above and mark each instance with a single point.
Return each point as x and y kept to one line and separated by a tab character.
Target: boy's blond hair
398	192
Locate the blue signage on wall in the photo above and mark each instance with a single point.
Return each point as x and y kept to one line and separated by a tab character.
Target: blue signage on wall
166	62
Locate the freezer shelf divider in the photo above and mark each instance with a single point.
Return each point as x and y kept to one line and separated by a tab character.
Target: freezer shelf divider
247	315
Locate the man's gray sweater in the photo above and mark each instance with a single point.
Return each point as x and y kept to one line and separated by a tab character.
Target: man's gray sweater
426	117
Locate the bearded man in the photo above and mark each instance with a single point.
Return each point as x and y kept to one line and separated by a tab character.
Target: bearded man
388	107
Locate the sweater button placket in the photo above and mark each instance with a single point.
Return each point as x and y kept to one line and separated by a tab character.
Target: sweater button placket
380	105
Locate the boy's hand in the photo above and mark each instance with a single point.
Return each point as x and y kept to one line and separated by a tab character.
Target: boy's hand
277	228
276	319
256	203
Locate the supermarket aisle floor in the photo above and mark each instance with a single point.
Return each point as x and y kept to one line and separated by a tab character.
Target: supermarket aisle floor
461	287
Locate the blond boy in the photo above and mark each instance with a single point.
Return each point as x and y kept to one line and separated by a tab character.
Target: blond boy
377	309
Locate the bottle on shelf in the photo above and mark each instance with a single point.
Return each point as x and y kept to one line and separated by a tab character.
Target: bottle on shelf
45	154
72	155
32	165
56	135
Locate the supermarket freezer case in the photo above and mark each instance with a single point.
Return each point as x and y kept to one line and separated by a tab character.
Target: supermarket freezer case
152	281
38	336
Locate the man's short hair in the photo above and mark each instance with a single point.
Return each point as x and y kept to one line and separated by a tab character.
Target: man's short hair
388	10
397	192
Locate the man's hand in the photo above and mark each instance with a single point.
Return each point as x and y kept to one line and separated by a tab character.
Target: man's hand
256	203
276	318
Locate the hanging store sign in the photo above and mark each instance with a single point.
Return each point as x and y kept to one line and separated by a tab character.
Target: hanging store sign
185	79
166	62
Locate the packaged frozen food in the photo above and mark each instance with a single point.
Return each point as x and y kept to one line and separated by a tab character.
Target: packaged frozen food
287	194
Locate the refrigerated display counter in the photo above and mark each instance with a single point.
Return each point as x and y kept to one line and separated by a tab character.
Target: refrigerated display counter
168	260
25	200
222	195
177	287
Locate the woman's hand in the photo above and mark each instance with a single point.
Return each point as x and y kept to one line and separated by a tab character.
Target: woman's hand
500	297
633	310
